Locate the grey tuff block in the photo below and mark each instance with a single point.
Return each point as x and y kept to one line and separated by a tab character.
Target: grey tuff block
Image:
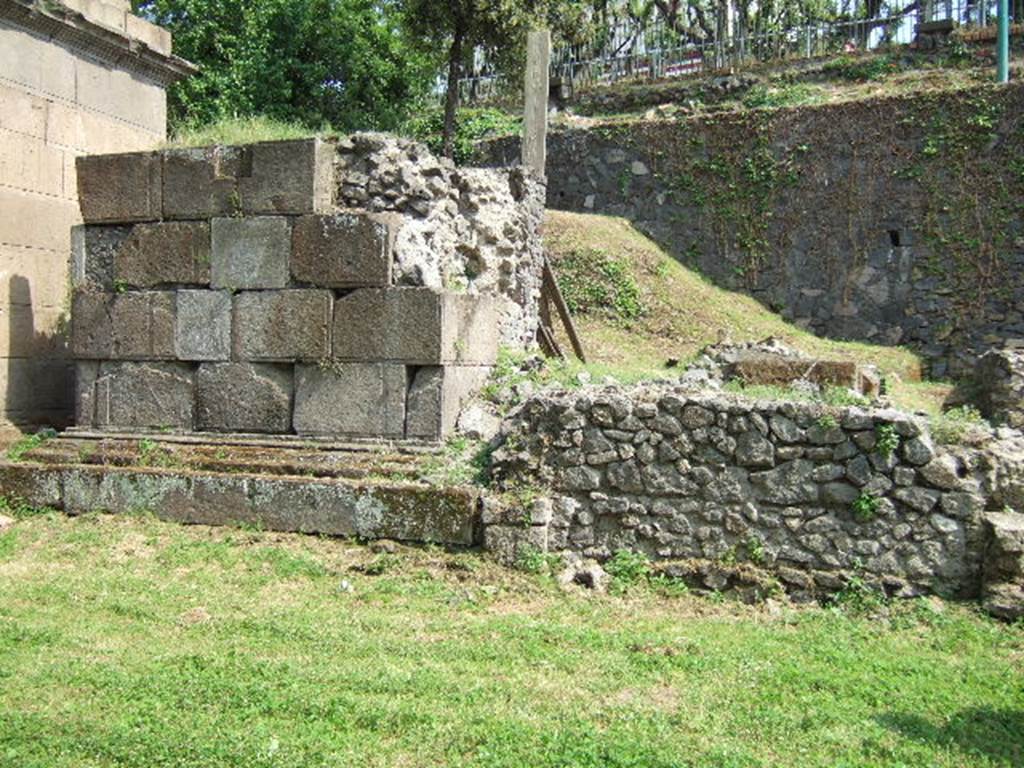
436	395
286	325
85	391
243	397
91	328
93	247
142	325
120	188
250	252
354	399
201	183
416	326
161	253
203	325
144	395
292	177
345	250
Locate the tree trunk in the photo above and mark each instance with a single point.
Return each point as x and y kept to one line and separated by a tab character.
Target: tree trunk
451	101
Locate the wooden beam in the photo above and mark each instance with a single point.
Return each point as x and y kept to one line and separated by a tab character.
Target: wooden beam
550	286
535	108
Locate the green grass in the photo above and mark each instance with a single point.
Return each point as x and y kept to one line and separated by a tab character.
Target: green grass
128	642
240	130
681	311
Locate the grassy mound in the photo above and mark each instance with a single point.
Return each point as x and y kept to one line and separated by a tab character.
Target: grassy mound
636	308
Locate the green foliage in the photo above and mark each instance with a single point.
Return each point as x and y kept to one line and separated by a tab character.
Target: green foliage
785	95
862	68
951	427
18	450
152	454
865	507
887	440
19	509
593	281
858	596
627	569
828	421
472	125
343	63
529	559
461	462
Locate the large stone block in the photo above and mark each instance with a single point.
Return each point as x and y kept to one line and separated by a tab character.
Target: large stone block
244	397
287	177
173	252
350	399
347	250
120	188
91	325
203	325
416	326
85	392
436	395
286	325
201	183
93	248
145	395
250	252
143	325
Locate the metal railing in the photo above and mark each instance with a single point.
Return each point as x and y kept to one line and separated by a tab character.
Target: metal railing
655	50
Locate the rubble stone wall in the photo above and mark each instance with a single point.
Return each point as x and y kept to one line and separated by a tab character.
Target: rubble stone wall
222	289
816	494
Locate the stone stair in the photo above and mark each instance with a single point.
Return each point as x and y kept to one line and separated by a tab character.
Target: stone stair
368	490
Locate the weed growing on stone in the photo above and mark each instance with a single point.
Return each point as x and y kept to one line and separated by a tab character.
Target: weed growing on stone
25	445
828	421
865	508
887	441
953	426
152	454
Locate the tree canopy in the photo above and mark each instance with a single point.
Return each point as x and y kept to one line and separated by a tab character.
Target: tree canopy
346	63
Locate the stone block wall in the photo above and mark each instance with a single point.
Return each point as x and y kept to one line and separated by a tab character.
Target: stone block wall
76	77
815	494
222	290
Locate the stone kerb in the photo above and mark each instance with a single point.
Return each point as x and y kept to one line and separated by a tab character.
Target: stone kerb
817	495
220	289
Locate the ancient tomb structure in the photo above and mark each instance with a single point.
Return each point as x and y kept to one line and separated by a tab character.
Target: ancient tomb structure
76	77
357	288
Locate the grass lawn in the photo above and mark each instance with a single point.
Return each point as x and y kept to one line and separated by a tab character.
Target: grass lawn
129	642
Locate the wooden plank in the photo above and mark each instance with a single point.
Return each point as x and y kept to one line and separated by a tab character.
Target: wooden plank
555	294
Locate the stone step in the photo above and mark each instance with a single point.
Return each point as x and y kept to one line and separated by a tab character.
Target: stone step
367	494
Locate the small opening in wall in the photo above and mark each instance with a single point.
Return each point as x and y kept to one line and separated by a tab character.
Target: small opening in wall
894	238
